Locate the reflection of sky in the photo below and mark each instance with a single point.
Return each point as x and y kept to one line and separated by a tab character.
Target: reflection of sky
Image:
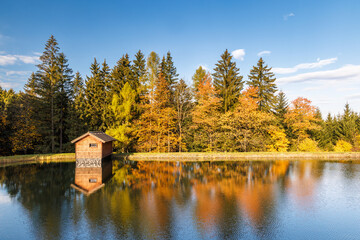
14	223
313	201
4	198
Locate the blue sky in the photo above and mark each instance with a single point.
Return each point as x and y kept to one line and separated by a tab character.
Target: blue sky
313	46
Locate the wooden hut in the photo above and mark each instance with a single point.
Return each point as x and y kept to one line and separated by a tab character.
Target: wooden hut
92	147
93	152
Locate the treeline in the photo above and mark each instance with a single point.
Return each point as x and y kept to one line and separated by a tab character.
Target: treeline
143	103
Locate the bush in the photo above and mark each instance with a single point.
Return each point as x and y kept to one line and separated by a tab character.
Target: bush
308	145
342	146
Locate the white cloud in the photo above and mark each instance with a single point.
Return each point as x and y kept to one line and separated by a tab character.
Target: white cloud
12	59
8	73
263	53
345	73
9	85
318	64
7	60
353	96
239	54
28	59
288	15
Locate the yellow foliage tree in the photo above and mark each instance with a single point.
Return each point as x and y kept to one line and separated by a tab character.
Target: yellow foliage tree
342	146
279	142
205	114
245	127
308	145
157	124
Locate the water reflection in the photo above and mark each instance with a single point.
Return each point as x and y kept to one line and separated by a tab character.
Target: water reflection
90	179
147	200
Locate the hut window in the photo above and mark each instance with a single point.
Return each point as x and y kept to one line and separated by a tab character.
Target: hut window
93	145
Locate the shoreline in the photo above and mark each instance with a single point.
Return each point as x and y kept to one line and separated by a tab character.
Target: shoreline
238	156
34	158
190	157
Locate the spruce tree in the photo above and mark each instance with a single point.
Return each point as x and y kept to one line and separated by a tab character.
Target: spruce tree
95	95
227	81
263	79
51	87
347	129
46	83
106	117
63	97
123	73
139	65
281	106
169	70
77	110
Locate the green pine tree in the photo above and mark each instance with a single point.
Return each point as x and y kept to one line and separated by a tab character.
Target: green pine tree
123	73
227	81
281	106
77	111
63	98
169	70
263	79
95	97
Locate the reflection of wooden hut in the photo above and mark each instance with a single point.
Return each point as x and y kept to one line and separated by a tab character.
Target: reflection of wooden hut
93	152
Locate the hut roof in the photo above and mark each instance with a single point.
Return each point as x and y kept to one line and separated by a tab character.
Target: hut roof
101	136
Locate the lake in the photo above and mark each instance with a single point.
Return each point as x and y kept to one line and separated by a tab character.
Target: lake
186	200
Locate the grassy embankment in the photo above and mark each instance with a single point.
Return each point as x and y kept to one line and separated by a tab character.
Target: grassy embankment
192	156
238	156
60	157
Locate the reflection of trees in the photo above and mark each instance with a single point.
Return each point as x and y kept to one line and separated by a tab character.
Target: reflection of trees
302	185
222	190
141	198
42	190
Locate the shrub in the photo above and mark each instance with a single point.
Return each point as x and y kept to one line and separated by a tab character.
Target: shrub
308	145
342	146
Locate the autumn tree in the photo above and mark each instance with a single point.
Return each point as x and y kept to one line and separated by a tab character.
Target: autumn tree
6	99
205	115
263	79
227	81
123	107
183	104
157	124
245	127
301	119
24	129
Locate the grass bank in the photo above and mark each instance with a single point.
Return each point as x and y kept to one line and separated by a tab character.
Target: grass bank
219	156
192	156
59	157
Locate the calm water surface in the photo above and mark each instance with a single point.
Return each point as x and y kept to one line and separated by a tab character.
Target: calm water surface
160	200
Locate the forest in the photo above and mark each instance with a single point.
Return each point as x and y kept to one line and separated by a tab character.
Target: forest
142	102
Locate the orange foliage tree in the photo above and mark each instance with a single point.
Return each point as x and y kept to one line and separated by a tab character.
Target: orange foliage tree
205	114
156	126
301	118
245	127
